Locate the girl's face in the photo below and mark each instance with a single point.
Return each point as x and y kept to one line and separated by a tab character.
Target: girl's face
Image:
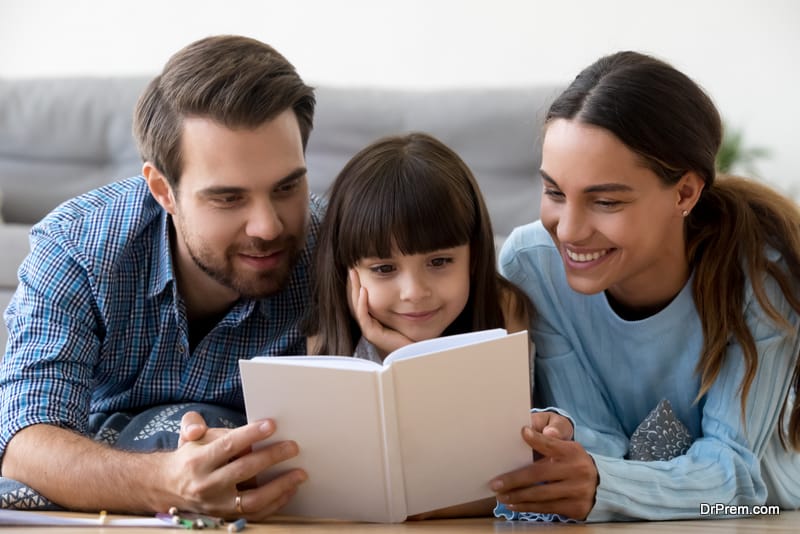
418	295
617	226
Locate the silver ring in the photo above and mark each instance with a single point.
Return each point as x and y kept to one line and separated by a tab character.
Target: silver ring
238	503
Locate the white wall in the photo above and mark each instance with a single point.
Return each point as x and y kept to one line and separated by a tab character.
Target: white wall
740	50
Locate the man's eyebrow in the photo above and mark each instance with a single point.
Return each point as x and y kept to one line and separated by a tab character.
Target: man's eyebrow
231	189
611	187
292	176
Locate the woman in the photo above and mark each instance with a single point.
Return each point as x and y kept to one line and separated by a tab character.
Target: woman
668	309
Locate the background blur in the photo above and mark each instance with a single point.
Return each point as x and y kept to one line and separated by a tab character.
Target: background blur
739	50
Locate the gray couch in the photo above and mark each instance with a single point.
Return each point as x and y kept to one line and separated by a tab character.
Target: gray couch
62	137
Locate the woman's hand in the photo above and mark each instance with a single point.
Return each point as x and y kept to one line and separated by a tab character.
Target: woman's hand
562	481
552	424
385	339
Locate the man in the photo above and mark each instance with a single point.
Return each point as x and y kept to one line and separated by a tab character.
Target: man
138	299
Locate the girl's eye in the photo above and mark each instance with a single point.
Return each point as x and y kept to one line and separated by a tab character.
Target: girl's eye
382	269
441	262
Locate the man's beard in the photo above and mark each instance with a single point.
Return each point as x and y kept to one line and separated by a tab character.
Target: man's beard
258	285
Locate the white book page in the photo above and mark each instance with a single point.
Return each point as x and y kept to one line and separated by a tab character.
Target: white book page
438	344
334	415
332	362
459	415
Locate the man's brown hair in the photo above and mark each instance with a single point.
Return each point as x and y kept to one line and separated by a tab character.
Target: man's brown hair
236	81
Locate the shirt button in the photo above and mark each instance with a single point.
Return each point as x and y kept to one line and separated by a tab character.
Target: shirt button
181	349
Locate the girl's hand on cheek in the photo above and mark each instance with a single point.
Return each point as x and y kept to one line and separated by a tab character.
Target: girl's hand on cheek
385	339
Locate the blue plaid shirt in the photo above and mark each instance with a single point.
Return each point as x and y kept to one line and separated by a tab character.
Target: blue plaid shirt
97	326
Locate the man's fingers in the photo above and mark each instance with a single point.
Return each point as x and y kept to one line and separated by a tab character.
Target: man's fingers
266	500
244	468
193	427
234	442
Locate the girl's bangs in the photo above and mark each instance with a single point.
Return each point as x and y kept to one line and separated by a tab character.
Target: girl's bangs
415	213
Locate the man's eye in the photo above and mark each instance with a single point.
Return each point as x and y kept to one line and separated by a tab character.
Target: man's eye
288	187
226	200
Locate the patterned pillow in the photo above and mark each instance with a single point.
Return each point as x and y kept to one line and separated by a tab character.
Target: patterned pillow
661	436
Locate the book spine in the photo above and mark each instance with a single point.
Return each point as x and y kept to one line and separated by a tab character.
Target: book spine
392	467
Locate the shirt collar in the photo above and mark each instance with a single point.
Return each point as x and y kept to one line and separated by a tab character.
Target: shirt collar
161	259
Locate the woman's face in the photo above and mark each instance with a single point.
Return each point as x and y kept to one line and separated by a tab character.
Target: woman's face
617	226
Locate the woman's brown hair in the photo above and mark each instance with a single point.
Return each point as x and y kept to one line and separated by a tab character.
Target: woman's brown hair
674	127
414	193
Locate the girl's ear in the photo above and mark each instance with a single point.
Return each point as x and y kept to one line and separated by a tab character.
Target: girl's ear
159	187
688	188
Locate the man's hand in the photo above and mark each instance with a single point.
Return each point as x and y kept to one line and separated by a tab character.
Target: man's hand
217	464
385	339
563	481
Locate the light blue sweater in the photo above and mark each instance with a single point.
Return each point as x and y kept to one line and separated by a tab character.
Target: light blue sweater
608	373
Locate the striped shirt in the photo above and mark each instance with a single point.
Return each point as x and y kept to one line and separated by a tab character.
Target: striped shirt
97	326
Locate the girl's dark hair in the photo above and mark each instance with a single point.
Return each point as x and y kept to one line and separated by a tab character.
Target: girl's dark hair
236	81
415	193
673	126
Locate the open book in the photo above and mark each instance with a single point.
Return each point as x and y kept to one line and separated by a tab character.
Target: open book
427	429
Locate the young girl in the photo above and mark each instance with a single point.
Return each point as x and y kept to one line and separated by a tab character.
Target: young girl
406	252
668	309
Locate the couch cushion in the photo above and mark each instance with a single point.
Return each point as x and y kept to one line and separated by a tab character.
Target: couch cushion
63	137
496	131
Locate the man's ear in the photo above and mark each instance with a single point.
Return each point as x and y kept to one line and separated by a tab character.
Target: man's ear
689	188
159	187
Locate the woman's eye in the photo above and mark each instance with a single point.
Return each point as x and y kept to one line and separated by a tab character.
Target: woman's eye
608	204
554	194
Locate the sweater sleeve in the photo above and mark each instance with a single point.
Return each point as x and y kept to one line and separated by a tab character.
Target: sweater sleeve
727	463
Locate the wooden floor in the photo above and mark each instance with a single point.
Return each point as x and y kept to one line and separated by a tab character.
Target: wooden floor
784	522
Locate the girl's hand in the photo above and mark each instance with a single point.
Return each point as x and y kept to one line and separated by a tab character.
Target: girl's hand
385	339
563	481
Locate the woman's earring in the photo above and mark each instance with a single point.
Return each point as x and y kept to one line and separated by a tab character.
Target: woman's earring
685	213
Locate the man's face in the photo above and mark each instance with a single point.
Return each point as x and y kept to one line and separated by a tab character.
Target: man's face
240	208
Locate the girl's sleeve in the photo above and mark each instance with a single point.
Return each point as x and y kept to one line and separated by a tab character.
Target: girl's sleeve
734	462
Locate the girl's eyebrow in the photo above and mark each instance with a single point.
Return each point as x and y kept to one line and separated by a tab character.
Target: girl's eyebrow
611	187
